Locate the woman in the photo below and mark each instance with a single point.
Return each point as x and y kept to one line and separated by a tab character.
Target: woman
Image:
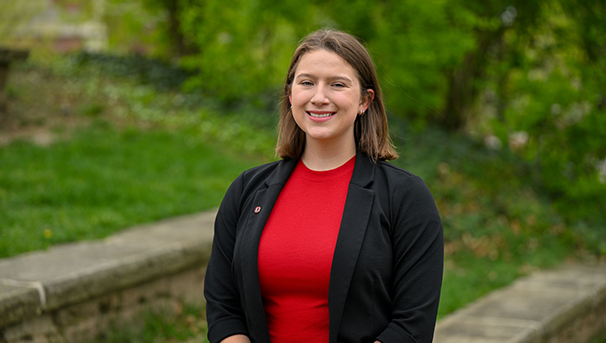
331	243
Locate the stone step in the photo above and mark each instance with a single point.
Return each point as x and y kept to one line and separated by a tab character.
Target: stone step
561	305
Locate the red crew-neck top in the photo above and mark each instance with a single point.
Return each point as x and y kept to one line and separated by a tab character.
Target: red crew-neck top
296	250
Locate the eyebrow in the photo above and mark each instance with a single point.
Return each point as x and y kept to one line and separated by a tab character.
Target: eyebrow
343	78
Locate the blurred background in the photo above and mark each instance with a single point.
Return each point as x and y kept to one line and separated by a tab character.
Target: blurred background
117	112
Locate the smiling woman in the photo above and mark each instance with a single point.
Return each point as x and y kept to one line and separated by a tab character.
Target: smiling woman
331	243
326	100
371	131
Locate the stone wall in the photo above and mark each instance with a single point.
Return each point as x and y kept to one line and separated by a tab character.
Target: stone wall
72	293
84	321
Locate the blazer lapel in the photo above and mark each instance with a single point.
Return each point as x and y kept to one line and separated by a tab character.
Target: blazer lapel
259	211
358	206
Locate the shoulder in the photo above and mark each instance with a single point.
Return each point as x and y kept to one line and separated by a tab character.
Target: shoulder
393	170
260	177
260	172
253	177
408	202
396	177
403	188
243	187
385	178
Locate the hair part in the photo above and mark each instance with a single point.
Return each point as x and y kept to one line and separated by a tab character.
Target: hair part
371	130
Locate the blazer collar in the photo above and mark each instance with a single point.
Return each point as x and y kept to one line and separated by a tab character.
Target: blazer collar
356	214
260	208
282	172
364	171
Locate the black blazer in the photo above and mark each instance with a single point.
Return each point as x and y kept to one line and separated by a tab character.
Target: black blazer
387	266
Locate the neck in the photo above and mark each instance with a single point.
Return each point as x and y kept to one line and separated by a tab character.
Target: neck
321	157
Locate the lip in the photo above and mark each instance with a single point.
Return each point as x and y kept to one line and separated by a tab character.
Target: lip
320	116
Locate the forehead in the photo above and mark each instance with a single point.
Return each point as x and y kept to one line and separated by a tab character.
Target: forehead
324	62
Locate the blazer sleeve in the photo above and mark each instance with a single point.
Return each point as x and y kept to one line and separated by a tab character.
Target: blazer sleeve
418	258
223	307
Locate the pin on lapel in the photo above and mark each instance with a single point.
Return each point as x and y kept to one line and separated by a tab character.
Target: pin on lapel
257	209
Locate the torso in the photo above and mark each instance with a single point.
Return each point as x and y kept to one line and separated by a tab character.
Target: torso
296	250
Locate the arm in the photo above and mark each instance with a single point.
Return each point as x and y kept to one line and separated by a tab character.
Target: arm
223	308
418	255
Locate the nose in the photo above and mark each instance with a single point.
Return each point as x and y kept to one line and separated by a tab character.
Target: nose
319	97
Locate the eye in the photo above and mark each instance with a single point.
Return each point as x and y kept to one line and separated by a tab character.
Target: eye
338	84
306	83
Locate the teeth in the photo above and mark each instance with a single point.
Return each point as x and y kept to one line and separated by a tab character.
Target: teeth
323	115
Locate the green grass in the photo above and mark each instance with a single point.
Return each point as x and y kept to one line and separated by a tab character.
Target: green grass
189	325
103	180
124	153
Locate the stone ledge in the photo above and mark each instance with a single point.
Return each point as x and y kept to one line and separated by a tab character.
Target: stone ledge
17	302
563	305
43	281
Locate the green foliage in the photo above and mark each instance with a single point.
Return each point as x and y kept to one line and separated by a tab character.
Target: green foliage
145	95
143	70
14	13
243	51
244	48
133	28
92	110
553	98
411	44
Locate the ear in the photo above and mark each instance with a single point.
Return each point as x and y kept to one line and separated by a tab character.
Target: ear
367	100
290	97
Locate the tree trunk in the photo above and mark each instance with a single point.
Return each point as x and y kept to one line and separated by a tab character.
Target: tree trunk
463	90
176	36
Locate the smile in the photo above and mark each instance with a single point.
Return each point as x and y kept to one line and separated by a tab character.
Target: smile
321	115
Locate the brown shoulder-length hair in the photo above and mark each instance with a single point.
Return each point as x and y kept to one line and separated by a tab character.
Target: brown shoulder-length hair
370	129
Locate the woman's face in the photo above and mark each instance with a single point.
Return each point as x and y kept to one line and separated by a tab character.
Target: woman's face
326	98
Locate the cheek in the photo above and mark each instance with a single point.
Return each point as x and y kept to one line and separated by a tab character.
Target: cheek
297	98
348	100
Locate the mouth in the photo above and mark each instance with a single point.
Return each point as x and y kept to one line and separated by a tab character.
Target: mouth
316	114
